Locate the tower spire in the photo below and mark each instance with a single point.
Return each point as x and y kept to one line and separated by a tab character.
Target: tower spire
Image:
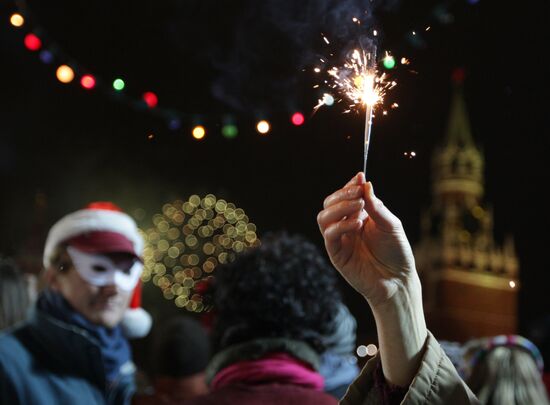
458	163
458	133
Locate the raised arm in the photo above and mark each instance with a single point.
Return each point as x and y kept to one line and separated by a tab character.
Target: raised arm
368	246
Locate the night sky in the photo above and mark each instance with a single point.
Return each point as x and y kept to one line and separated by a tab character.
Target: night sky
209	59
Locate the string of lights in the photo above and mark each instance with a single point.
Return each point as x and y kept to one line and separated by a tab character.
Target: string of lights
69	72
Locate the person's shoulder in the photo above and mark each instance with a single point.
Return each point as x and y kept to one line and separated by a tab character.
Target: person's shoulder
266	394
9	337
11	342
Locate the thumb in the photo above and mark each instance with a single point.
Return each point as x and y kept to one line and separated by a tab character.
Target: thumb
384	219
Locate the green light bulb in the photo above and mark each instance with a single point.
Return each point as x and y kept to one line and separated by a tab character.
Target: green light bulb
230	131
118	84
389	62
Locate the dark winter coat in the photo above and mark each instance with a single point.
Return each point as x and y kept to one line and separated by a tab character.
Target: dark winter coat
46	361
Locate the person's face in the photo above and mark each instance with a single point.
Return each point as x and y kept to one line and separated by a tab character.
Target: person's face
103	305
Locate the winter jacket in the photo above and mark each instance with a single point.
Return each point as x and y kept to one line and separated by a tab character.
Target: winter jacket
436	382
46	361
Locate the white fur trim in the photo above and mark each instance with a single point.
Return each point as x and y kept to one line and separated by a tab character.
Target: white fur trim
90	220
136	323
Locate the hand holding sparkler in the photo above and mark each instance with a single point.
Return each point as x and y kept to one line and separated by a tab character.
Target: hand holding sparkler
368	246
366	242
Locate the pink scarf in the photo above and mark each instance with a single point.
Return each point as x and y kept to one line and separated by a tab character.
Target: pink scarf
275	367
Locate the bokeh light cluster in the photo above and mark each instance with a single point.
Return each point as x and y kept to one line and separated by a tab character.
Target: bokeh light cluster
187	242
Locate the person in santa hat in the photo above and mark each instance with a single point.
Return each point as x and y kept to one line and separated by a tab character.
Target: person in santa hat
74	347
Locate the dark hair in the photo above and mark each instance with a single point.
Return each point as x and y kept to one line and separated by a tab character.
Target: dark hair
285	288
14	299
181	348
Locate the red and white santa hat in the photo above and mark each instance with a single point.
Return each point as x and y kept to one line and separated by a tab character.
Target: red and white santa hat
136	322
102	227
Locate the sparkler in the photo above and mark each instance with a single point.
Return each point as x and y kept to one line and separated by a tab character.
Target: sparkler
370	98
360	83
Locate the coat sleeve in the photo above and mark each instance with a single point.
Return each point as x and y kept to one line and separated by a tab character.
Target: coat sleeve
436	382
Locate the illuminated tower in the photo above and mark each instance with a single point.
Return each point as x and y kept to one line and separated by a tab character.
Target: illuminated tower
470	283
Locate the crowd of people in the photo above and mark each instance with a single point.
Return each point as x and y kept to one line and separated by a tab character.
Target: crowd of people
281	332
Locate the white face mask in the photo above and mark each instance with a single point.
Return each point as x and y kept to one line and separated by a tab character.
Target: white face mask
100	270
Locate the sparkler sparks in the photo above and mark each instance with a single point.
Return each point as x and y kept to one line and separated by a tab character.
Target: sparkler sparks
358	81
361	85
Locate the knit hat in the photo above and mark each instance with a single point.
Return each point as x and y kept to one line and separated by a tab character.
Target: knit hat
136	322
476	349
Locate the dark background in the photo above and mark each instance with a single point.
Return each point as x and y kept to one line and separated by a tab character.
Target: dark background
62	146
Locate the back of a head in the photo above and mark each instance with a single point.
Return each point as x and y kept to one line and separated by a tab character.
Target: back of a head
282	289
181	349
14	300
508	375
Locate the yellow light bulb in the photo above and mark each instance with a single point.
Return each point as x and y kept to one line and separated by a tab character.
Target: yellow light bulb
64	74
17	20
199	132
263	127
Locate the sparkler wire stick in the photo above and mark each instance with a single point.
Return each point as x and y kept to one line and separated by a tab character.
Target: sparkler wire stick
368	124
369	106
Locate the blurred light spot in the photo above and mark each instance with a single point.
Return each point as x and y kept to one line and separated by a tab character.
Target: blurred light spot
230	131
17	20
263	127
150	99
328	99
372	349
389	61
88	82
199	132
64	74
174	124
46	56
118	84
32	42
512	284
361	351
298	118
